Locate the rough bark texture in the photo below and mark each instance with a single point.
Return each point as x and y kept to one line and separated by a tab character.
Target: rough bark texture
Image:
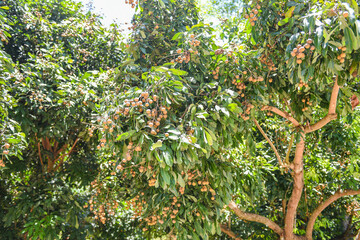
298	176
322	206
331	114
283	114
256	218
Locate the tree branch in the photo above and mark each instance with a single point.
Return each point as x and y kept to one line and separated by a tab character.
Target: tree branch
331	113
67	154
41	161
298	176
282	114
271	144
228	232
289	149
256	218
322	206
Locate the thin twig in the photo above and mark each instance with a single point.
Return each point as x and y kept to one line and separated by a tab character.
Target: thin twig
41	161
283	114
67	154
289	150
271	144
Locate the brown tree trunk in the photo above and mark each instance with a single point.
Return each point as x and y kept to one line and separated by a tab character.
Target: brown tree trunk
298	176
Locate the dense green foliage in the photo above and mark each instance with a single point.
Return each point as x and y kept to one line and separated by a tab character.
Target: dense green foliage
103	139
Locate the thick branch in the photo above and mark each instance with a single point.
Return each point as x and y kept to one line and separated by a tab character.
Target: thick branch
283	114
322	206
298	176
256	218
271	144
62	157
331	113
228	232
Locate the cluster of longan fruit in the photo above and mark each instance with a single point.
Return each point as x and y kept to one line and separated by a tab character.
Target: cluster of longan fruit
156	115
245	115
137	205
107	125
40	97
239	85
131	2
138	103
344	162
255	79
303	84
3	36
152	182
205	184
153	220
183	57
335	11
216	73
100	214
6	148
306	102
298	52
268	62
342	55
351	207
132	27
252	16
194	42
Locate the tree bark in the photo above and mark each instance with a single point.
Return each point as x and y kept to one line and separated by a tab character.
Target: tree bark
271	144
298	176
283	114
228	232
322	206
332	111
256	218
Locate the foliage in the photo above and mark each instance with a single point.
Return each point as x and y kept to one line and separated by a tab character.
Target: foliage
166	126
54	62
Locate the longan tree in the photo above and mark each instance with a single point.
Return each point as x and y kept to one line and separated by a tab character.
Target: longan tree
48	49
172	130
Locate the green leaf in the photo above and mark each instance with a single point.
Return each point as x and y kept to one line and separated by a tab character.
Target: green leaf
208	138
162	4
176	36
76	222
289	13
156	145
283	22
174	131
192	198
168	158
165	175
125	135
350	36
181	180
178	72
